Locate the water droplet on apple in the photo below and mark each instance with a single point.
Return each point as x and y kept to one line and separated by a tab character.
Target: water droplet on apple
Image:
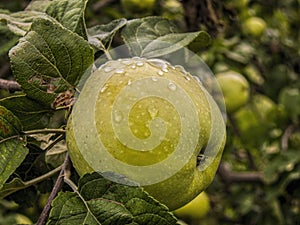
118	116
154	78
120	71
153	111
108	69
103	89
140	63
160	73
187	78
165	69
172	86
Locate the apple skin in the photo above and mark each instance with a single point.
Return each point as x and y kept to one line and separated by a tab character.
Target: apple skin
196	209
136	6
254	26
193	177
235	90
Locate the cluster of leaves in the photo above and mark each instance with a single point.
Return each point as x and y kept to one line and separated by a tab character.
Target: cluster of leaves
50	50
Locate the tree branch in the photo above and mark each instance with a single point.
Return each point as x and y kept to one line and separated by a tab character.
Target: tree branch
229	176
58	185
9	85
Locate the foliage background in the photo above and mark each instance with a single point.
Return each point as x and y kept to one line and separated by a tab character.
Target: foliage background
258	181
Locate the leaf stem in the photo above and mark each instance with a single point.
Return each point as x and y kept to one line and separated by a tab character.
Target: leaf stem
47	130
58	139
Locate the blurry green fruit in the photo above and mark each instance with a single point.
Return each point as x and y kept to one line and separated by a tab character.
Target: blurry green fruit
254	26
235	89
21	219
290	99
170	107
137	6
254	121
198	208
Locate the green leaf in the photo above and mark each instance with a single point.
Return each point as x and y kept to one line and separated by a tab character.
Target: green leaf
38	5
101	35
13	152
11	187
49	60
156	36
201	41
70	13
100	201
19	22
31	113
9	123
7	39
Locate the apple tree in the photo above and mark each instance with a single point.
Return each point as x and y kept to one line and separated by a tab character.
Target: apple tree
239	54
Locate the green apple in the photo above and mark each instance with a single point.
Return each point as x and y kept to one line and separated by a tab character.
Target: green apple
235	89
152	122
254	26
136	6
22	219
196	209
255	120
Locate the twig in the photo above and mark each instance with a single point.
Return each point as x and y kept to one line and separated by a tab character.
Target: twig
35	180
31	132
229	176
9	85
285	137
58	185
100	4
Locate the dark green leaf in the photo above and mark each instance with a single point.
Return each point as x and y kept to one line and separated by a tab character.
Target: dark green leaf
202	40
9	123
31	113
13	152
100	201
101	35
49	60
70	13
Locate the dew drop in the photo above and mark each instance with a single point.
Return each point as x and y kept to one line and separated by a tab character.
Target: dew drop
165	69
153	111
160	73
172	86
133	66
154	79
108	69
118	116
180	69
197	79
120	71
140	63
129	82
187	78
103	89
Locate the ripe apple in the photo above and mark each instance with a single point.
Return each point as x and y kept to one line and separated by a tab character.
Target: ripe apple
235	89
254	26
196	209
152	122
